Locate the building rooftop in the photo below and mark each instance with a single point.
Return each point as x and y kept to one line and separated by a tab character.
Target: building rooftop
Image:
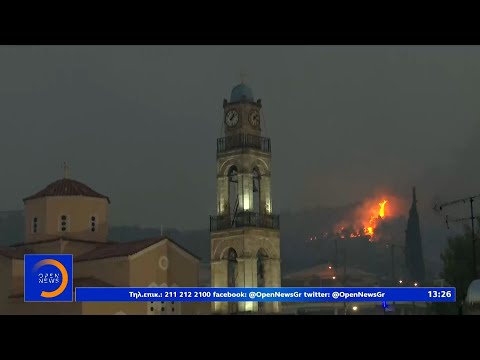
77	282
11	252
118	249
109	249
66	187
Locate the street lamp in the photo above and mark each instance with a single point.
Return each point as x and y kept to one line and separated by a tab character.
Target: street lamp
355	308
400	281
413	302
333	277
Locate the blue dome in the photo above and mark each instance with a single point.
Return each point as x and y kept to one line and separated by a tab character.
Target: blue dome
241	92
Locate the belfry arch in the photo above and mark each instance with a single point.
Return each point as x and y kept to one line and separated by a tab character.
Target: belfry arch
232	177
261	273
256	190
232	274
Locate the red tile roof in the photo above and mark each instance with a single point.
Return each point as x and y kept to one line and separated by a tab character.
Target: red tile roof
125	249
67	187
90	282
11	253
102	251
77	282
58	238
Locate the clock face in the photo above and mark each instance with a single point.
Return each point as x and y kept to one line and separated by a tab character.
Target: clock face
231	118
254	118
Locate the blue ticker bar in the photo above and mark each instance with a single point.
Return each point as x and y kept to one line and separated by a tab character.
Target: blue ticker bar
342	294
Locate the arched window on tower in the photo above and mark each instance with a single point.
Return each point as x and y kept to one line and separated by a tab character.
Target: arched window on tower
256	190
232	191
261	257
232	267
232	273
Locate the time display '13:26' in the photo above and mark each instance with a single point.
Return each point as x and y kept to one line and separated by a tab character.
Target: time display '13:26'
440	294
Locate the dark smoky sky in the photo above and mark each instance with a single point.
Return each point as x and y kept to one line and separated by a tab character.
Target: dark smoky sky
139	123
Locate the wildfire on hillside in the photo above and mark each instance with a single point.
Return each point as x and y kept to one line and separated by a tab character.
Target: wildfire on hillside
363	221
367	217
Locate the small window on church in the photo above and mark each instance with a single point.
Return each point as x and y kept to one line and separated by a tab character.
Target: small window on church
34	224
63	223
93	223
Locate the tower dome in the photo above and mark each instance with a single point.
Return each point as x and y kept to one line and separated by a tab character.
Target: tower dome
241	92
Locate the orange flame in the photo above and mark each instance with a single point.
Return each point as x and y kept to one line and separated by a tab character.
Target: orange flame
381	213
365	219
377	214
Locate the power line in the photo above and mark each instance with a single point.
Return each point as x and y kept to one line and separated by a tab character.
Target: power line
472	218
464	200
450	219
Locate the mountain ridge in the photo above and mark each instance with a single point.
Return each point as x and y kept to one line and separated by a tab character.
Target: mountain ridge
297	228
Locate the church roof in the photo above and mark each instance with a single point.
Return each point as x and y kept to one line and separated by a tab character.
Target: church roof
90	282
103	251
126	249
241	92
58	238
66	187
77	282
12	253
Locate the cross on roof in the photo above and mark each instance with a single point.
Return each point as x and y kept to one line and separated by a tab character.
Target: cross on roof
243	76
65	169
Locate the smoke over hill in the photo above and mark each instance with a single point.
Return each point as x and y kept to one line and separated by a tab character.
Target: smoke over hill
307	237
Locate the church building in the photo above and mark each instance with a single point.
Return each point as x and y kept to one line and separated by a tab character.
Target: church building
68	217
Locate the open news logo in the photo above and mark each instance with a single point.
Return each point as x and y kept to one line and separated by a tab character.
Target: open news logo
48	277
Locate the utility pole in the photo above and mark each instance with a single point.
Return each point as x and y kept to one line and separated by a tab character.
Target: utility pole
335	264
344	280
393	263
474	248
392	260
472	220
335	260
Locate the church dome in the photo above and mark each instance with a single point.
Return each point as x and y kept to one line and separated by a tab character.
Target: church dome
241	92
66	187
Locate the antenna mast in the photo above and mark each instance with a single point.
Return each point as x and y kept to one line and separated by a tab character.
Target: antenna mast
472	218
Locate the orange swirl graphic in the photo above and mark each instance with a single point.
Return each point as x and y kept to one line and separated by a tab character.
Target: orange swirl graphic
63	271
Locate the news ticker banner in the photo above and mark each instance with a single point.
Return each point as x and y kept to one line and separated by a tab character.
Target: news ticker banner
345	294
49	278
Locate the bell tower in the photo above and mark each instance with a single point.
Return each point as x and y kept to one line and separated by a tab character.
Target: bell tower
245	237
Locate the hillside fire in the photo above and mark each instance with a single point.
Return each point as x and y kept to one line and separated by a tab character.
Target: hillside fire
364	220
368	218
